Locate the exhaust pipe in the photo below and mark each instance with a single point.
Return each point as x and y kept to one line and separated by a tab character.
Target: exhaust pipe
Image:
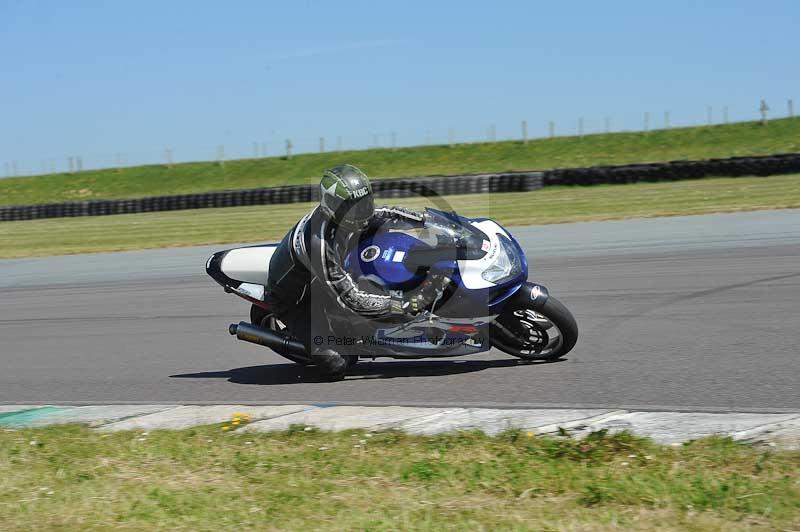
278	342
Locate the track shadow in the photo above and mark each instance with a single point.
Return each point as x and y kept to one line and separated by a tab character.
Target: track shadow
296	374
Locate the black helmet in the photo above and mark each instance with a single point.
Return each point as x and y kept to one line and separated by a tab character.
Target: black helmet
345	196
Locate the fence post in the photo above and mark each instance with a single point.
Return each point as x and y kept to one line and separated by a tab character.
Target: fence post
524	131
394	140
322	144
763	108
708	114
493	133
647	121
725	114
288	149
551	126
790	105
666	119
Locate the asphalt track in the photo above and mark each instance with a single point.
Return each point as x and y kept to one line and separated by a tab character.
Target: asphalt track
690	313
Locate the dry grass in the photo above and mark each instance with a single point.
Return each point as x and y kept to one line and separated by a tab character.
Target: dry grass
206	479
747	138
252	224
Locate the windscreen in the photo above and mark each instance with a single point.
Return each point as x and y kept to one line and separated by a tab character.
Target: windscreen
445	231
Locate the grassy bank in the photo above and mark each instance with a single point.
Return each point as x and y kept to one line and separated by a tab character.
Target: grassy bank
205	479
618	148
251	224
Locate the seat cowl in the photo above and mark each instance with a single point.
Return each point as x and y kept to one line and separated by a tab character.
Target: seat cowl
232	267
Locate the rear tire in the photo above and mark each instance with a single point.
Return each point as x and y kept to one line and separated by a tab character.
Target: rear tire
545	333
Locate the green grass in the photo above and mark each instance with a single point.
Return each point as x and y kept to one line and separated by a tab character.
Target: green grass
748	138
71	478
252	224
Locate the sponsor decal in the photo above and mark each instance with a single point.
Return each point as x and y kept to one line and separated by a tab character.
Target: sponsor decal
360	193
486	245
536	292
399	256
386	254
370	253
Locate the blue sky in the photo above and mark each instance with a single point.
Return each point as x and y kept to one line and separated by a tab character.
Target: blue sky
99	78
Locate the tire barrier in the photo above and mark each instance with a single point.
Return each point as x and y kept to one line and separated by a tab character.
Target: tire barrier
787	163
385	188
423	186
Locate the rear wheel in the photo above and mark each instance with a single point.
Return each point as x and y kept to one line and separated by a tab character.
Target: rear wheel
545	333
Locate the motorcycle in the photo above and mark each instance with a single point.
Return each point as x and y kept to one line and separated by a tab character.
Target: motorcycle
474	278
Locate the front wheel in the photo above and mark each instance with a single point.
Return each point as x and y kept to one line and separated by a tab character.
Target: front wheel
547	332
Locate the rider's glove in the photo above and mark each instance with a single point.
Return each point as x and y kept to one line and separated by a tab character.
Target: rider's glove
399	306
410	305
416	304
403	305
426	298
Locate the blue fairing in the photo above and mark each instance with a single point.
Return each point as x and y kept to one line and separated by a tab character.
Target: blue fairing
390	258
389	266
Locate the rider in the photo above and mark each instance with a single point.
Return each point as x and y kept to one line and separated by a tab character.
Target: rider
307	279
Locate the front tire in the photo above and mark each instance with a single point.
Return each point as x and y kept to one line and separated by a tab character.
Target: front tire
547	332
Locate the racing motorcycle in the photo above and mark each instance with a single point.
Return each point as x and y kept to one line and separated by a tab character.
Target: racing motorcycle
474	271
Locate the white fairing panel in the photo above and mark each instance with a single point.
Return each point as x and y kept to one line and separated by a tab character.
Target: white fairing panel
471	270
249	265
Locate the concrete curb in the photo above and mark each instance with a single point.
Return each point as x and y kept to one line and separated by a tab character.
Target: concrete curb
777	430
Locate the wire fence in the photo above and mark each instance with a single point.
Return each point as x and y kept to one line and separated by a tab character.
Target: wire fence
522	131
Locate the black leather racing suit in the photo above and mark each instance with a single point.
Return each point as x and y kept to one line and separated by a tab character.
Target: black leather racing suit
307	280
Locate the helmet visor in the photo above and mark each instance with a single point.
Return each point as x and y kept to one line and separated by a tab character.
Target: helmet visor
356	212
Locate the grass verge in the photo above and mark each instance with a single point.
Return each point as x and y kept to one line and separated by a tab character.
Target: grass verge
250	224
748	138
69	477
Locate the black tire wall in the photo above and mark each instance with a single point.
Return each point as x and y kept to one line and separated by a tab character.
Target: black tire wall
423	186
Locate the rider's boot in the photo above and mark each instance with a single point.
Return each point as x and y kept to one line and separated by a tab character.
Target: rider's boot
331	364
